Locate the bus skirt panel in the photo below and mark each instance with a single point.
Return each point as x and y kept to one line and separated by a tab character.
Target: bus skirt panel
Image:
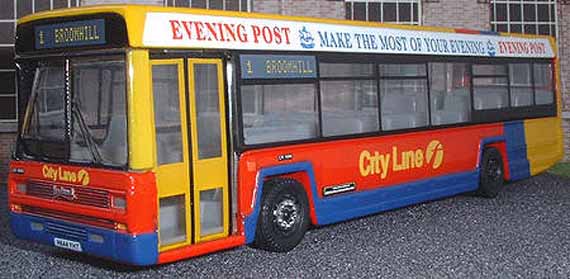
131	249
344	207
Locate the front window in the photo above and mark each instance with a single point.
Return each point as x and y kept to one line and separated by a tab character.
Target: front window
48	118
77	112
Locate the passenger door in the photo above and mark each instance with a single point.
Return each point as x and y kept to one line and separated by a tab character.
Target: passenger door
172	153
209	149
191	151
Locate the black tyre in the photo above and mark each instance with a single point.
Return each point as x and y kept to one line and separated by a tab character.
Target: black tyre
284	216
491	178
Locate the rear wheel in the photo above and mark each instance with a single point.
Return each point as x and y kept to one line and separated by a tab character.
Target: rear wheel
491	178
284	216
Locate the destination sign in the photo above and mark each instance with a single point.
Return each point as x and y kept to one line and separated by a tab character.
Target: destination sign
277	66
70	34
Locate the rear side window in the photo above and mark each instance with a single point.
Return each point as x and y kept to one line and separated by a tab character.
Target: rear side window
543	84
520	78
450	98
490	87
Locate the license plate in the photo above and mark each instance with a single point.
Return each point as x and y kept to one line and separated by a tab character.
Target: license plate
67	244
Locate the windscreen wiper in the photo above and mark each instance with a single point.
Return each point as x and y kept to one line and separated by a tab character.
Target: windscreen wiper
87	136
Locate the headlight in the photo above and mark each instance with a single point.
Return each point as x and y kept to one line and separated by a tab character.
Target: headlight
21	188
119	203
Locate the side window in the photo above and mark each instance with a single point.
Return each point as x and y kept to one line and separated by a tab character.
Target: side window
450	98
520	78
287	112
349	99
165	83
403	93
490	88
543	84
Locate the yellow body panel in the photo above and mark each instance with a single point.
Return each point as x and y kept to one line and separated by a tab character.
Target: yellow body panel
209	173
140	116
545	143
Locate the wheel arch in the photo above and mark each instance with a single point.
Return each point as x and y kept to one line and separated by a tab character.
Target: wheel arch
500	144
300	171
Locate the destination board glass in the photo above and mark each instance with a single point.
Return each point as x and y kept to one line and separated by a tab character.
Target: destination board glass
277	66
70	34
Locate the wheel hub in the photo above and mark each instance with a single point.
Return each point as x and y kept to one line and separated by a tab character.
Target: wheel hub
494	170
286	214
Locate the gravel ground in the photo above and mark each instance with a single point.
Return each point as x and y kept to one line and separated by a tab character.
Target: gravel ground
523	233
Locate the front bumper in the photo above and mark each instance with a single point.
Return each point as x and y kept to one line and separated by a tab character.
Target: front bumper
141	249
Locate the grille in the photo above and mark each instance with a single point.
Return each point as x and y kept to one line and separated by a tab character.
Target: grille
66	231
70	217
83	196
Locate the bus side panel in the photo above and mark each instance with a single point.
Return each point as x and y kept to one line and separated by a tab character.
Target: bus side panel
398	159
544	140
387	172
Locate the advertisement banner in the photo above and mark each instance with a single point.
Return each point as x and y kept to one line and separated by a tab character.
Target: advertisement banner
177	30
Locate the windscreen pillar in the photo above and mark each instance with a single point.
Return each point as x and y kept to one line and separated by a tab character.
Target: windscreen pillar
140	114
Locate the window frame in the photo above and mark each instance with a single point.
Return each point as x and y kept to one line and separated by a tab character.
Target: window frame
551	5
253	82
19	152
415	14
172	3
372	77
531	83
487	116
417	77
469	88
504	76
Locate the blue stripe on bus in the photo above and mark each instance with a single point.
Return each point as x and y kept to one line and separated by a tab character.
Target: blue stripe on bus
351	205
139	249
348	206
519	166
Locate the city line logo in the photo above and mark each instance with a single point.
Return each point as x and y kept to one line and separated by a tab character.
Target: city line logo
59	174
381	164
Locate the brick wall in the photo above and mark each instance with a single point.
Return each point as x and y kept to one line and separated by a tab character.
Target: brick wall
6	143
146	2
466	14
564	54
314	8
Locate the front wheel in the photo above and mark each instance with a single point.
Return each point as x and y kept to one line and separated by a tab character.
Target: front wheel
284	216
491	178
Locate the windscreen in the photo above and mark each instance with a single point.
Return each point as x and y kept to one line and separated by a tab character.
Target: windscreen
77	112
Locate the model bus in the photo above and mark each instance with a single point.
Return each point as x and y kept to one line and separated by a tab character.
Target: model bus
152	134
